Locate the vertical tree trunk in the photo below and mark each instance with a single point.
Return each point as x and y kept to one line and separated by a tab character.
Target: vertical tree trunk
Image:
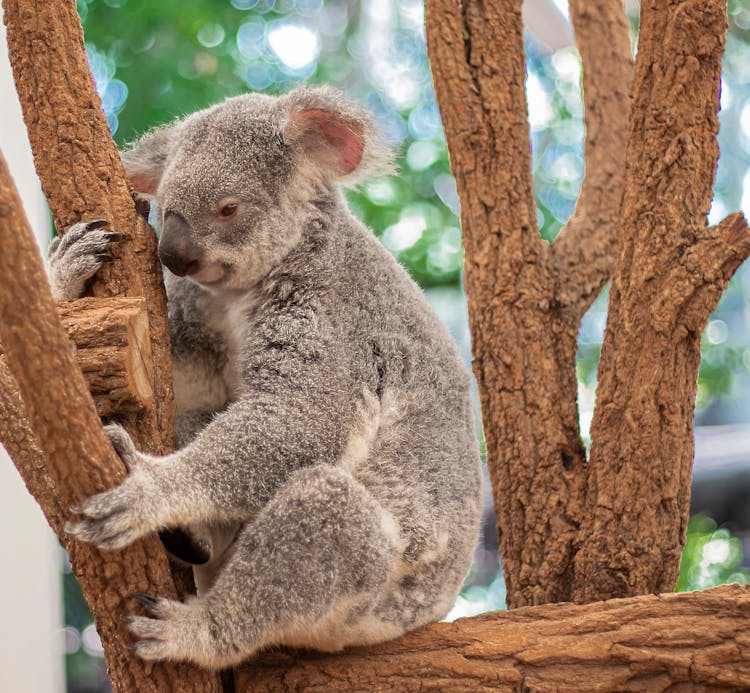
82	177
568	529
670	273
526	298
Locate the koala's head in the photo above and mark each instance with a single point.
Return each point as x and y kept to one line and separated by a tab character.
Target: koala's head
234	183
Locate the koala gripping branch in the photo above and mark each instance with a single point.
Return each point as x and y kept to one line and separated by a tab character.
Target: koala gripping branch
79	460
83	179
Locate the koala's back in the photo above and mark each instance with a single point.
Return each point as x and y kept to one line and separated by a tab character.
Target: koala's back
409	436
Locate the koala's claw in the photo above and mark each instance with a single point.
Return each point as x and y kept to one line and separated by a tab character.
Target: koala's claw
76	256
123	445
145	599
95	224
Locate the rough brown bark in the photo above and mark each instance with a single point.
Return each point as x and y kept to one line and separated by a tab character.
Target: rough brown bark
525	303
695	641
669	275
110	341
83	178
79	461
526	298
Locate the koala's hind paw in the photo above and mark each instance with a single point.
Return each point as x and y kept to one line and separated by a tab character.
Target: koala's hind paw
171	630
77	256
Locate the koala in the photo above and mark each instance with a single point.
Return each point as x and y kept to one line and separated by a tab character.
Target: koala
326	462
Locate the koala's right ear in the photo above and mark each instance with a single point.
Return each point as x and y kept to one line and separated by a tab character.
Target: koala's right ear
146	158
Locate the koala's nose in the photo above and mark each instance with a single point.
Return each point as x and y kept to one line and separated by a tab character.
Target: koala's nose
176	251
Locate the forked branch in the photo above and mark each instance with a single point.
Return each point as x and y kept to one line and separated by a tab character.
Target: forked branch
583	253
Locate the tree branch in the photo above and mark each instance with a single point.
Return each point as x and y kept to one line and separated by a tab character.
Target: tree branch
584	251
640	644
79	459
642	432
83	178
477	58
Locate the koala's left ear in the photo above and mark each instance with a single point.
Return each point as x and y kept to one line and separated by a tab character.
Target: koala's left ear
333	135
146	159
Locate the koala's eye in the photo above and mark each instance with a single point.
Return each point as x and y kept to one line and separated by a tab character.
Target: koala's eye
228	210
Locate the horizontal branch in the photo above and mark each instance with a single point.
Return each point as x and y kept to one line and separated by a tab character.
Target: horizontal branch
636	644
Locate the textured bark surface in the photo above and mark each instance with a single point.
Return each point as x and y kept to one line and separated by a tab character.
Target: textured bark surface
670	273
83	178
78	459
525	299
696	641
568	530
110	342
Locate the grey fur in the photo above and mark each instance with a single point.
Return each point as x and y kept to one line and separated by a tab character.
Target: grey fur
328	455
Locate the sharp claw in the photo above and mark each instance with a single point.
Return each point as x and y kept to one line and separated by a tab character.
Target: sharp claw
146	599
127	620
75	509
70	529
96	224
104	257
114	236
132	648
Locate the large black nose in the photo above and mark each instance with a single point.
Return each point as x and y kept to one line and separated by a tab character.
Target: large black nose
176	251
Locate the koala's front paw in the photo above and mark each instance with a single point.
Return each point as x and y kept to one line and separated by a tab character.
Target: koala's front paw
76	257
172	630
116	518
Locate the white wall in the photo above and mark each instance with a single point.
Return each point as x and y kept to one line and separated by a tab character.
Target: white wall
30	585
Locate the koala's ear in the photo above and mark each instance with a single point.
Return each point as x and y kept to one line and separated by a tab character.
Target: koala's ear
146	158
333	135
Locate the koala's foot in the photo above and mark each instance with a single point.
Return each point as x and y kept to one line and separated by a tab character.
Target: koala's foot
77	256
172	630
307	572
116	518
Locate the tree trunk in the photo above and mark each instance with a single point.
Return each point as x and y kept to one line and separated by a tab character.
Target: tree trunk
570	530
525	303
82	177
78	458
670	273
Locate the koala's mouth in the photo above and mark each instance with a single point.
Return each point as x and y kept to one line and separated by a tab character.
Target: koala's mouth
207	273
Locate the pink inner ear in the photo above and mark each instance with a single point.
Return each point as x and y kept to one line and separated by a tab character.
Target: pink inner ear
345	138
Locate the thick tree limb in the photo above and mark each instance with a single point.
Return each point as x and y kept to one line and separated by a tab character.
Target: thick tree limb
669	275
83	178
79	459
583	253
651	643
534	453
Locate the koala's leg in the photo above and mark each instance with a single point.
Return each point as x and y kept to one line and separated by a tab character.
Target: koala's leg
306	572
188	426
